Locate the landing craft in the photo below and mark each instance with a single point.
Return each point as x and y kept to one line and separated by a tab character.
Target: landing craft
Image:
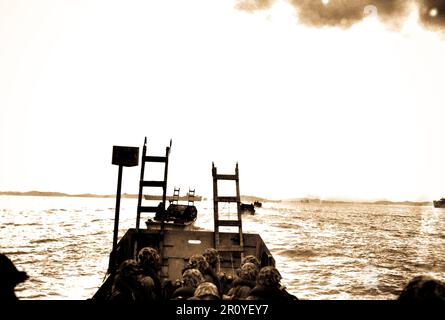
247	208
176	244
439	203
257	204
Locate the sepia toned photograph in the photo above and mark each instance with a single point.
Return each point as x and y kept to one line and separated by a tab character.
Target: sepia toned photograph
240	151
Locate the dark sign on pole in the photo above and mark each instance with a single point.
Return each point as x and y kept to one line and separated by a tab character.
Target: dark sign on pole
125	156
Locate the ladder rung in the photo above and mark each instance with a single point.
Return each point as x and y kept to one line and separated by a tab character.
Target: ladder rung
227	199
155	159
230	248
226	177
153	183
148	209
229	223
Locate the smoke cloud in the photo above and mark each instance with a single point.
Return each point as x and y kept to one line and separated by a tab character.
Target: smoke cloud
345	13
432	13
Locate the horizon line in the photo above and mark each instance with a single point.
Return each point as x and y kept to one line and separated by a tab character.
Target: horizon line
130	195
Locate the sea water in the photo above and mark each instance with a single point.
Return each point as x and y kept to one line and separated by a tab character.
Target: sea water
323	251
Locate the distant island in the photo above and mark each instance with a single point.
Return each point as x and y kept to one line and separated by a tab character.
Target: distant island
55	194
244	198
376	202
170	198
252	199
89	195
124	195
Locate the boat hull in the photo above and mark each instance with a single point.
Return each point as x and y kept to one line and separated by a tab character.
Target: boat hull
247	208
439	204
157	225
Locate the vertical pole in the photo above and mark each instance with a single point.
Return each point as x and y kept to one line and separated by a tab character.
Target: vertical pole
138	216
238	203
112	265
215	206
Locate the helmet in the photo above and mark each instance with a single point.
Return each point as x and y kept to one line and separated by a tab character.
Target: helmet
248	271
206	288
269	276
199	262
149	257
212	256
252	259
192	277
129	268
423	288
9	273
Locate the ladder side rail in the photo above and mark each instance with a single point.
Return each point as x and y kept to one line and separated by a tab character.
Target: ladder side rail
175	198
191	197
164	191
161	242
138	216
238	204
215	206
234	199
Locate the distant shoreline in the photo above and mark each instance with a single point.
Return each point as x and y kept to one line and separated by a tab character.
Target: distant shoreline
199	198
85	195
376	202
56	194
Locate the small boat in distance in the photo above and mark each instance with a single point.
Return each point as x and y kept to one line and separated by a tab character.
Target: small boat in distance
247	208
439	203
257	204
171	198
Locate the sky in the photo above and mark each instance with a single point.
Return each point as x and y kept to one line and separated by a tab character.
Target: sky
312	98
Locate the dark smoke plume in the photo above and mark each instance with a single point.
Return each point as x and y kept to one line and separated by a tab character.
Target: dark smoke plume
345	13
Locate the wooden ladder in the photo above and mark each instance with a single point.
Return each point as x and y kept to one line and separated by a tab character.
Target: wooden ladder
160	209
191	197
226	223
175	198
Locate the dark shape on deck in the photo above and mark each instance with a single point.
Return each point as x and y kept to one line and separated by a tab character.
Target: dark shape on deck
179	214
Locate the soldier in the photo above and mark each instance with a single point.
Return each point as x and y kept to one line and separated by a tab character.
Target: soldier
206	291
199	262
423	288
212	257
127	286
245	282
251	259
10	277
268	286
191	278
150	263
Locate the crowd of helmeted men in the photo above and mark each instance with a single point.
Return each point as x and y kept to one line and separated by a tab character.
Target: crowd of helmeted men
139	280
